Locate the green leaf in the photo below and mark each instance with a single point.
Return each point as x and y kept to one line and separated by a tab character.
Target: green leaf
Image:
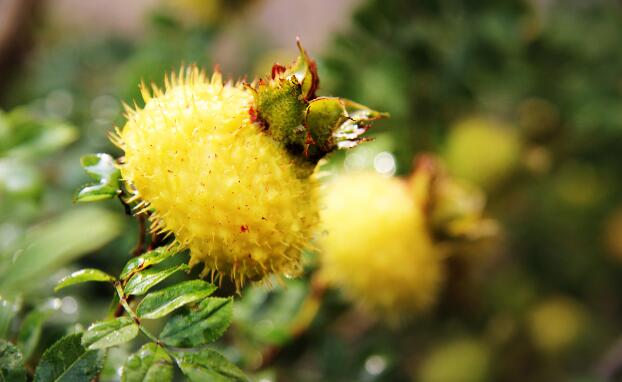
162	302
95	192
268	316
11	363
7	312
30	331
149	364
82	276
208	365
99	166
203	324
68	361
102	169
145	260
141	282
20	178
53	137
50	246
109	333
29	136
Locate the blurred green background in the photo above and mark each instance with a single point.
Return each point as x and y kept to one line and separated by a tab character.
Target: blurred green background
523	98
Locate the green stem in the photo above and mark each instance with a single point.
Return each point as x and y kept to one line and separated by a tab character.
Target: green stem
133	315
123	302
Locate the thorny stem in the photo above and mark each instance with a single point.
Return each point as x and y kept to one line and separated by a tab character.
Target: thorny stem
126	207
124	300
138	250
157	239
154	241
118	311
124	303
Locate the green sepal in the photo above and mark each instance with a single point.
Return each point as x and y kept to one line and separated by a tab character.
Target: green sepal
323	115
280	102
335	123
280	109
348	134
305	72
286	107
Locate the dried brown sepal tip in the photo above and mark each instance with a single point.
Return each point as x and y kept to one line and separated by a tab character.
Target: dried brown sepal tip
287	107
305	71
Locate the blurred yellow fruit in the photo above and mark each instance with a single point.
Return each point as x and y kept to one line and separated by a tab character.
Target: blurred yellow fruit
457	210
207	12
225	189
555	324
570	184
464	360
455	207
376	247
482	151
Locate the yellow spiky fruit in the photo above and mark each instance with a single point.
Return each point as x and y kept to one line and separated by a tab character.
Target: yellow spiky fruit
375	245
209	175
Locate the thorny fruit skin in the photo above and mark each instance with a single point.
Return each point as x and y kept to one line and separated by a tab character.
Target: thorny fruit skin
227	190
375	245
229	169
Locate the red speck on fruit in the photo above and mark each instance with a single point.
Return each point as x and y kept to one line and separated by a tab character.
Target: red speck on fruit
253	113
244	228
